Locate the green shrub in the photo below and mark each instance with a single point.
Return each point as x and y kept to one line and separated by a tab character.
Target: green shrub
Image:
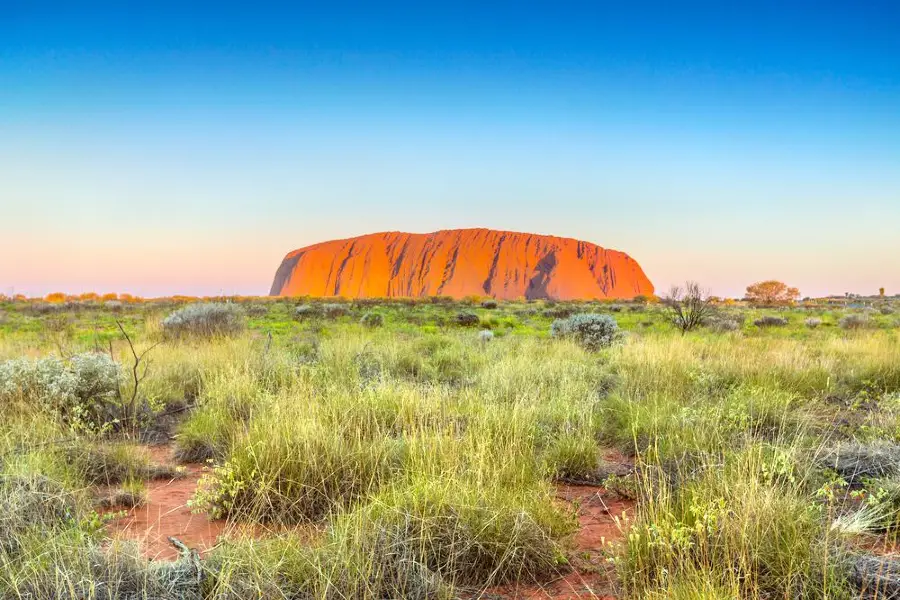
592	331
770	321
333	311
467	319
82	391
489	304
855	321
204	320
307	311
372	320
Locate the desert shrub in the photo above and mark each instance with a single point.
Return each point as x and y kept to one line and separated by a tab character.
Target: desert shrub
886	310
333	310
466	319
559	312
82	391
113	305
485	336
615	308
41	381
813	322
855	321
204	320
770	321
592	331
489	304
723	324
256	310
307	311
372	320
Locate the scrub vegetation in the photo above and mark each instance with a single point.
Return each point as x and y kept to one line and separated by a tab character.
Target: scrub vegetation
393	449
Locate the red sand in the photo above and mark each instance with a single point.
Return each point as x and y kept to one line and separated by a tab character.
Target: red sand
166	513
458	263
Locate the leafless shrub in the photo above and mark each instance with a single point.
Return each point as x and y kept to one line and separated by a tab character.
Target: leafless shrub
689	306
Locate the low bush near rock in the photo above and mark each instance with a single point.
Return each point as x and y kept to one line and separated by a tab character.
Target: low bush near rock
770	321
82	391
204	320
372	320
466	319
855	321
592	331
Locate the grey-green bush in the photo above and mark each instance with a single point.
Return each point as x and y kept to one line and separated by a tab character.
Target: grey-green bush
307	311
82	390
855	321
770	321
466	319
204	320
592	331
372	320
333	311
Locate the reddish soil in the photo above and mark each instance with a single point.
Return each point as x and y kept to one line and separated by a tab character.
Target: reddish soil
166	514
879	545
597	513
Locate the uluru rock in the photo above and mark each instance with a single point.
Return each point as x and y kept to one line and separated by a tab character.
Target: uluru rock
458	263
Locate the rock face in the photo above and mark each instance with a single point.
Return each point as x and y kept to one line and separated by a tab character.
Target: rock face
458	263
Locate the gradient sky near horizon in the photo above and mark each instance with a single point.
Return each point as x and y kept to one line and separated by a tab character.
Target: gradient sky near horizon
185	147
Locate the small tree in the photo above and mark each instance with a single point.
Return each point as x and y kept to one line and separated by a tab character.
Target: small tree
771	292
689	306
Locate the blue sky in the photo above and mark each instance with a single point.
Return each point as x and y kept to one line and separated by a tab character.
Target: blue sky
184	149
